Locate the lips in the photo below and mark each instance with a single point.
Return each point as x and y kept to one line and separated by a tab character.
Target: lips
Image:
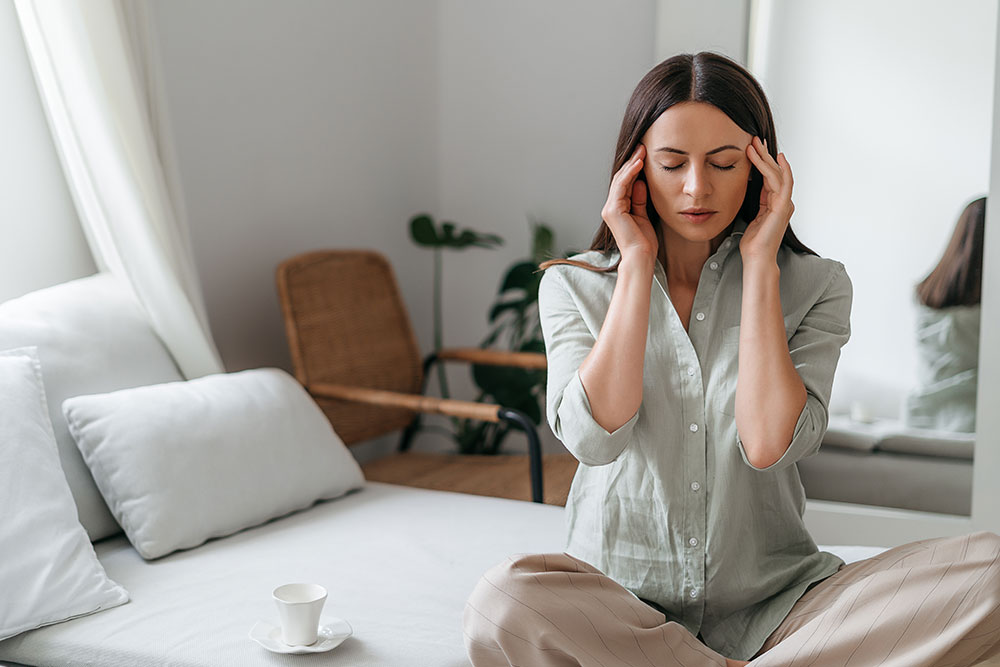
698	214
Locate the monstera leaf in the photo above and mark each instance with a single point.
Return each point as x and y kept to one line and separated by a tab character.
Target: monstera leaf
423	233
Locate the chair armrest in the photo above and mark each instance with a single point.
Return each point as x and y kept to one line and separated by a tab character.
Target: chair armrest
476	355
426	404
450	407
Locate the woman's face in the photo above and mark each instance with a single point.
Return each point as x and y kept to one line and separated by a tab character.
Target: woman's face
696	161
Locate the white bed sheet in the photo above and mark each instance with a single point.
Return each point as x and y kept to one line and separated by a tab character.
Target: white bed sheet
398	562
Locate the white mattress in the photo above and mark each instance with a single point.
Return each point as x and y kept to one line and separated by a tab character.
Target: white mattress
398	562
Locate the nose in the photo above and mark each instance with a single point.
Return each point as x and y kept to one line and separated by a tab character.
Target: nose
697	183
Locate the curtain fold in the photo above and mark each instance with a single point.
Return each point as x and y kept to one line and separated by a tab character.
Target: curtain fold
91	84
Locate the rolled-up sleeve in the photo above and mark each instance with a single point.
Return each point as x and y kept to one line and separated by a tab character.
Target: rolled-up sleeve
568	341
815	350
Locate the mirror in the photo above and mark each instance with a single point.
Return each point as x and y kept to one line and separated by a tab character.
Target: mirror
884	111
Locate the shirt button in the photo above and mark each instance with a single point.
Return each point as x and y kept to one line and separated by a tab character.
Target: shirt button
694	593
713	265
699	316
690	370
693	427
693	541
695	486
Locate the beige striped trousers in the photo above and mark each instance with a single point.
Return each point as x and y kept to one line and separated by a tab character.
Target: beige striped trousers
931	602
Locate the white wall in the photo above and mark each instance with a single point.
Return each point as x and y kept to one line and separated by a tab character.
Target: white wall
316	124
298	126
43	243
884	111
683	26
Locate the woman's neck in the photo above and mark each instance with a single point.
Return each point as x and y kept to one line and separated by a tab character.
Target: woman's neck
683	260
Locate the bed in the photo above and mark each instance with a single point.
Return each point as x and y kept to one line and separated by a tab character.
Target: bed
399	563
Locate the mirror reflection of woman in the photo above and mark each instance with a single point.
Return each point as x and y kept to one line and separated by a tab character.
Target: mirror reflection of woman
948	305
691	354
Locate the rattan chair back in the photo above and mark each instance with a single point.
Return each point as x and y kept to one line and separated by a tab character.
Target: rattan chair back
347	324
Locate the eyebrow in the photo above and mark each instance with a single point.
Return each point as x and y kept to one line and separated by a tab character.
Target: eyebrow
668	149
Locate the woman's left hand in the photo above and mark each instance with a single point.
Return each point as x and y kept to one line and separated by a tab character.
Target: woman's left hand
763	235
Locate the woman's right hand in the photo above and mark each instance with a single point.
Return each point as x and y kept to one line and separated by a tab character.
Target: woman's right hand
625	210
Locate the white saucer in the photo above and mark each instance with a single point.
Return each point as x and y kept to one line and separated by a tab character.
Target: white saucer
332	632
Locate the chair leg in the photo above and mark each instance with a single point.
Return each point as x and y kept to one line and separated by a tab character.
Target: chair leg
414	426
534	449
408	432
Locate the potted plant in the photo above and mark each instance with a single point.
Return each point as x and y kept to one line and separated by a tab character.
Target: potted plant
514	322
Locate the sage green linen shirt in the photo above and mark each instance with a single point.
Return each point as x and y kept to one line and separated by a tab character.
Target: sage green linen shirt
669	505
948	371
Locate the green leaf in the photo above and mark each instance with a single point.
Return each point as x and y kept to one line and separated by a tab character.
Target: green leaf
487	240
501	307
541	243
422	231
533	345
520	276
504	382
531	406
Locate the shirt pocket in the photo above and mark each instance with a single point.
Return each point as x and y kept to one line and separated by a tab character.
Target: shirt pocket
728	364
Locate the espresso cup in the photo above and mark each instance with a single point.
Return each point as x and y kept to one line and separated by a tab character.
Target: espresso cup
299	607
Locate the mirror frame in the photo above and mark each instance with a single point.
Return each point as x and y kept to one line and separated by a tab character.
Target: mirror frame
869	525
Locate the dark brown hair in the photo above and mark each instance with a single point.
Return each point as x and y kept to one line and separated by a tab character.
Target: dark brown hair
702	77
957	280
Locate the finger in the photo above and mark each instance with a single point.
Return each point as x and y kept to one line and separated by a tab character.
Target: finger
786	168
780	163
628	172
762	152
761	149
780	172
772	177
631	163
639	199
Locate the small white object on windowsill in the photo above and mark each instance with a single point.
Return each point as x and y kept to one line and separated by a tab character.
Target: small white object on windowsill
861	413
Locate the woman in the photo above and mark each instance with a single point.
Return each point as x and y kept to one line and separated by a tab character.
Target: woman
686	544
948	305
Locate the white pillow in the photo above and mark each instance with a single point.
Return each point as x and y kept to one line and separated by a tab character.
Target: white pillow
48	569
184	462
92	336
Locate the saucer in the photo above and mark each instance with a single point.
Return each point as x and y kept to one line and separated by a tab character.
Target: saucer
332	632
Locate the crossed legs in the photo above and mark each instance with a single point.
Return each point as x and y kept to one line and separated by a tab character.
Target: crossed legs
933	602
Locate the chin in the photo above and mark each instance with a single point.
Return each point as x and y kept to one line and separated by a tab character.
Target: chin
694	231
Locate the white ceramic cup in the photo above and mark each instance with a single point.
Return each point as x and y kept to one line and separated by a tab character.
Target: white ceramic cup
299	607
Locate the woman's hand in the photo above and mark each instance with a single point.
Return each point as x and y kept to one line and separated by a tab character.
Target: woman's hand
625	210
763	235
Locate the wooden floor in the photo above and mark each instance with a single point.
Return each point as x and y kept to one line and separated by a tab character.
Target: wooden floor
504	476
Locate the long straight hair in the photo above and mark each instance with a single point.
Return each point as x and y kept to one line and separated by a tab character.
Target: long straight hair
701	77
957	280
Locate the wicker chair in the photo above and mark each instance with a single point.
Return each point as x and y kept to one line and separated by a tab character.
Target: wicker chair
354	351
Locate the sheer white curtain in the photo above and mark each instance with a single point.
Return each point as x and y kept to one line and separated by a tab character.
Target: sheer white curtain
90	80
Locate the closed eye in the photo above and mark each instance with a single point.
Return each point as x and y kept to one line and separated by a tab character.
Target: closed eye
717	166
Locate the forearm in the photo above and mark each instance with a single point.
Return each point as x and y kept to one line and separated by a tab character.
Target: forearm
612	372
770	394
